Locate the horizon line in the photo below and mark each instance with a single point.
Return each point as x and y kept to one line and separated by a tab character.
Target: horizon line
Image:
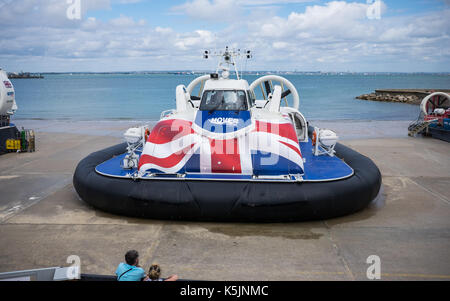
209	72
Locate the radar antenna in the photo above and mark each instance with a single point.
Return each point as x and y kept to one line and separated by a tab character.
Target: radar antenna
227	60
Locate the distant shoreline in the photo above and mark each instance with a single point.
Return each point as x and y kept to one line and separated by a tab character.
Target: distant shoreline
257	73
25	76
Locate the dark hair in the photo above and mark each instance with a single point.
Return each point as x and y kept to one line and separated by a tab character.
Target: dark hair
131	257
154	272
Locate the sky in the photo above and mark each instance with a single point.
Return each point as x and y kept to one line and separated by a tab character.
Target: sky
284	35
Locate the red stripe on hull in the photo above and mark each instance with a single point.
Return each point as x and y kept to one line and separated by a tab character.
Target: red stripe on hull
296	149
285	130
168	162
225	157
168	130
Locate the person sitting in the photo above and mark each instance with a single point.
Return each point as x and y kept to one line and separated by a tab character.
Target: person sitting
154	274
130	271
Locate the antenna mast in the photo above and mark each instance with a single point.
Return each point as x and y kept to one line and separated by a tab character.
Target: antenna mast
227	60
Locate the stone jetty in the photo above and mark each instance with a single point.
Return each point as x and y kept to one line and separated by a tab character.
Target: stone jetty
410	96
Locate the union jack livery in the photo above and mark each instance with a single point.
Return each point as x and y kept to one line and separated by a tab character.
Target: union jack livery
230	145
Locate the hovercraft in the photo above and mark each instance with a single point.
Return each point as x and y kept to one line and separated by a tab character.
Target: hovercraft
434	117
226	156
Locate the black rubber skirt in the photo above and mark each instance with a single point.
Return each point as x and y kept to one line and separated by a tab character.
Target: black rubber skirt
228	201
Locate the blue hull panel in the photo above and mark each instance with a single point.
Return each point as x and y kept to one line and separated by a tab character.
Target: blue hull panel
317	169
113	168
323	168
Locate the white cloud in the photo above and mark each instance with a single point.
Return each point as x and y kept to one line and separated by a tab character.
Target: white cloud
24	13
123	21
216	10
270	2
339	32
332	36
199	39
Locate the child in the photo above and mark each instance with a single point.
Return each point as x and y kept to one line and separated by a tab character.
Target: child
154	274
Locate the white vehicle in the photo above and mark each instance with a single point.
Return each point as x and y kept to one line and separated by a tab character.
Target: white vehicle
8	104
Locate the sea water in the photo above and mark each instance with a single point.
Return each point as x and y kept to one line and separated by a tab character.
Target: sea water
88	98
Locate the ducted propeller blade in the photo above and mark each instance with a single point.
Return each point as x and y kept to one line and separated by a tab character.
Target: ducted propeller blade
268	90
285	94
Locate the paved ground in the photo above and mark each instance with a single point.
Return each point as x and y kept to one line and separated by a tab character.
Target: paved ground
42	222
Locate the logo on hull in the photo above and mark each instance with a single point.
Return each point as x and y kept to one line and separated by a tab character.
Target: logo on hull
8	84
224	120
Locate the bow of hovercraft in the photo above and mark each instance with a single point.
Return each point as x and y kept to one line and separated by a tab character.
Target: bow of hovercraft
223	139
226	134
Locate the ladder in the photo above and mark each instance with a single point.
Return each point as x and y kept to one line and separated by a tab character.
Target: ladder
418	127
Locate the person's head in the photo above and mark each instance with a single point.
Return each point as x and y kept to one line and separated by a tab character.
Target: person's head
132	257
154	273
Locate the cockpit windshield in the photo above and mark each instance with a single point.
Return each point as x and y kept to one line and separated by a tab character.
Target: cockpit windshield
224	100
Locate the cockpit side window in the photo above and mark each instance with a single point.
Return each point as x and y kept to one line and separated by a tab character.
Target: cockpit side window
224	100
251	98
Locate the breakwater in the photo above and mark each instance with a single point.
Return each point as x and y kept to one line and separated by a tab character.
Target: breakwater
410	96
